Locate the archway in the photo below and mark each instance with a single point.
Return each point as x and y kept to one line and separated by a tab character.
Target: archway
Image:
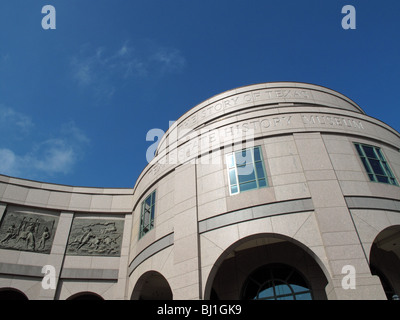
12	294
152	286
385	260
85	296
278	263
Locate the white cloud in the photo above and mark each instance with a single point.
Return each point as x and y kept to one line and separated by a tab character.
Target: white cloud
41	159
100	68
9	117
8	162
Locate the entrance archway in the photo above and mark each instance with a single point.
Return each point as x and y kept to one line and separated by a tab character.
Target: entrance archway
152	286
85	296
266	266
385	260
12	294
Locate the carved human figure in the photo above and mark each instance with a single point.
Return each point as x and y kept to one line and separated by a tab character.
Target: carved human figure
43	238
9	234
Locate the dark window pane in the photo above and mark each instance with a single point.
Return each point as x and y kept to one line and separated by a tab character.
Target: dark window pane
371	177
369	152
382	179
376	166
379	152
366	166
358	147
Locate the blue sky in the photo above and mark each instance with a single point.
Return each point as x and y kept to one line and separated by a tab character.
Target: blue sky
77	102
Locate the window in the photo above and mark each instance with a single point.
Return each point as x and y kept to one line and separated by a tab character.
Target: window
276	282
147	214
375	164
246	170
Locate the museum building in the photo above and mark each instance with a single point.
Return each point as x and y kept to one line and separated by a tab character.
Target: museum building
279	190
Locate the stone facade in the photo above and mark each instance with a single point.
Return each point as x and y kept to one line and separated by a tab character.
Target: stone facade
320	217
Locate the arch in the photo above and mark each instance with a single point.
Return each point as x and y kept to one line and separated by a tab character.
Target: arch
384	260
152	286
276	281
85	295
12	294
260	249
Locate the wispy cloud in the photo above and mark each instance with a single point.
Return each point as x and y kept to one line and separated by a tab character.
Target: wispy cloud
100	68
57	154
10	117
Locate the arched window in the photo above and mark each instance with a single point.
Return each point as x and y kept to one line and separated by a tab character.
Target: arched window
276	282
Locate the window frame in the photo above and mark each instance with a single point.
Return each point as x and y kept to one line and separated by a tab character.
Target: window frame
372	175
144	229
232	156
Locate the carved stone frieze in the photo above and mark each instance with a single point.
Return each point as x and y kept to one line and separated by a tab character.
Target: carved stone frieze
27	231
95	237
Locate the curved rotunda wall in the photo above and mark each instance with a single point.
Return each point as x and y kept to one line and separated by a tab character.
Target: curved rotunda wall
316	185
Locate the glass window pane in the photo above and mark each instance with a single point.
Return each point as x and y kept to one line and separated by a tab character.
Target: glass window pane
369	152
376	166
257	155
234	189
248	186
232	176
266	293
371	177
379	152
297	288
262	183
358	147
304	296
282	289
246	173
366	166
260	170
382	179
230	161
148	201
243	157
388	171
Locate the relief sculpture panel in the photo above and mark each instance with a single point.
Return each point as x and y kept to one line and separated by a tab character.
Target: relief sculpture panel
27	231
95	237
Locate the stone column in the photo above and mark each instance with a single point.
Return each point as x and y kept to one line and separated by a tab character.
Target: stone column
339	236
56	258
185	283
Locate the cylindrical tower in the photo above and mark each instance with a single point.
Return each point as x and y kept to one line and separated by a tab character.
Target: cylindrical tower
269	191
